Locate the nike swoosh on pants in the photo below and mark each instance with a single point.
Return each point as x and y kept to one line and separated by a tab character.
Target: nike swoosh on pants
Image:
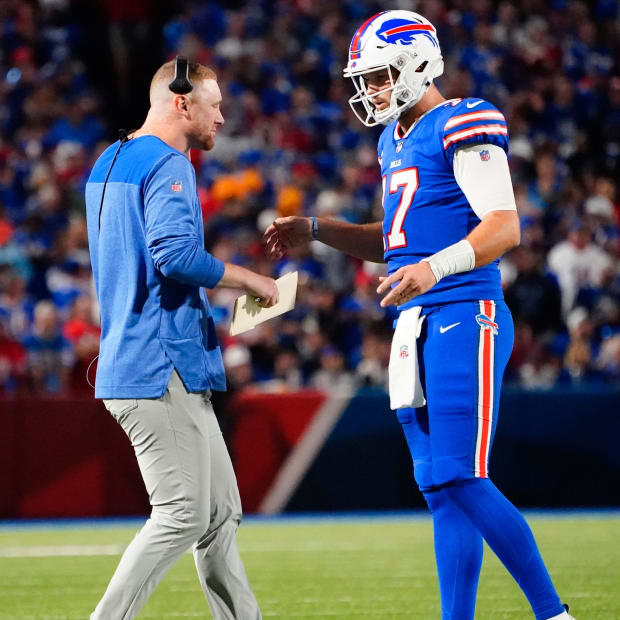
443	330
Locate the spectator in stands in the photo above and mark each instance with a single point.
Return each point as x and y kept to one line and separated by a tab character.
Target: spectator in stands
333	377
577	262
16	306
83	333
608	361
534	297
49	353
238	364
579	357
371	371
12	362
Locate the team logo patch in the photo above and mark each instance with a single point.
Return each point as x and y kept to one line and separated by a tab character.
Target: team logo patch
485	322
399	147
404	352
404	31
485	155
176	186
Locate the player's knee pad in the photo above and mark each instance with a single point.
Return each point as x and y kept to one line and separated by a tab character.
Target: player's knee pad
423	474
450	471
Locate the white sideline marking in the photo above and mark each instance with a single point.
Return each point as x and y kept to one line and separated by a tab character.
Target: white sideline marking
309	546
303	454
51	551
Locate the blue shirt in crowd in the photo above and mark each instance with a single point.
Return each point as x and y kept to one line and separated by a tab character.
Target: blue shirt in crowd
149	264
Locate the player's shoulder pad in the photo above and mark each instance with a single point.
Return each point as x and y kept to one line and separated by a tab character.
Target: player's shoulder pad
472	121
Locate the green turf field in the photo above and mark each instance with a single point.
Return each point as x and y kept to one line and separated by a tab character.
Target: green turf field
358	569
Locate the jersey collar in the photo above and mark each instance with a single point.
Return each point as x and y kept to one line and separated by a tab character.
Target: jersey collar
398	132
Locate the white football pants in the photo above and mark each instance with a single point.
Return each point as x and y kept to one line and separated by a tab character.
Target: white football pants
195	502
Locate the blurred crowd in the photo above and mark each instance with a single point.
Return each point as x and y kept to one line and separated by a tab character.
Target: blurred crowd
291	146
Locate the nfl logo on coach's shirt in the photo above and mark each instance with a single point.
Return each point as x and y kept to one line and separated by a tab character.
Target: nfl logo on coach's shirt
485	155
176	186
404	352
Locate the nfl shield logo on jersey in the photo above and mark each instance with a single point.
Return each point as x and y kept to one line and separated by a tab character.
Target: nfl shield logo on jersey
404	352
176	186
485	155
399	147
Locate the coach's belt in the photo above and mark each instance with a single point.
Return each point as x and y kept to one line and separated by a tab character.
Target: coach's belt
404	375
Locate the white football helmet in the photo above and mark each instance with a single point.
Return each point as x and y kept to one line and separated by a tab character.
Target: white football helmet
401	40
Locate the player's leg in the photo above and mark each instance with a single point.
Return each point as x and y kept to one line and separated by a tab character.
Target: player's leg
458	545
458	553
172	448
463	397
510	537
220	569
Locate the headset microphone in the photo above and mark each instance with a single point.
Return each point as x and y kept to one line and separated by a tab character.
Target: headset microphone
181	84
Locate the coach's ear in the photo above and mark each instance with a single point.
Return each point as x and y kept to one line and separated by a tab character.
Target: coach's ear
181	104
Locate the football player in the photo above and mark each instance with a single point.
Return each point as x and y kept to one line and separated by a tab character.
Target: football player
449	215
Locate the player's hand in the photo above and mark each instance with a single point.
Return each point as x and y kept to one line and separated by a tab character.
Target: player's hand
264	289
286	233
413	280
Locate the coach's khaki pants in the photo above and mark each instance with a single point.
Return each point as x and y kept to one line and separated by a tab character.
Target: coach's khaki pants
193	492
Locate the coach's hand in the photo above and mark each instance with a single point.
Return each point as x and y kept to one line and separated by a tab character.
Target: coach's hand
413	280
286	233
264	289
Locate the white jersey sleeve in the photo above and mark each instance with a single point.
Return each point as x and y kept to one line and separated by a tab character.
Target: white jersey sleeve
481	171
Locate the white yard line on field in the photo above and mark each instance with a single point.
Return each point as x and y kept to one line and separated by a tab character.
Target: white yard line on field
310	546
49	551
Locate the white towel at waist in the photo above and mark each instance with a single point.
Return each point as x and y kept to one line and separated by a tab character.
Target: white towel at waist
404	375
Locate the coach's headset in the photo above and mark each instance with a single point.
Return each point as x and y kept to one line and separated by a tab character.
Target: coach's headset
180	85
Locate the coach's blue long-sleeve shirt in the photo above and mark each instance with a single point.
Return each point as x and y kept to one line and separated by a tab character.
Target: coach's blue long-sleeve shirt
149	265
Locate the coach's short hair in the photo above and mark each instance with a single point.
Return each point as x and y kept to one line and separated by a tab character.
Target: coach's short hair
196	73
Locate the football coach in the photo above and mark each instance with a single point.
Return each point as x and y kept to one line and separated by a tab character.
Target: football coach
159	357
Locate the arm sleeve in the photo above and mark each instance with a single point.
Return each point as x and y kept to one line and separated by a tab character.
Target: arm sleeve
173	225
482	173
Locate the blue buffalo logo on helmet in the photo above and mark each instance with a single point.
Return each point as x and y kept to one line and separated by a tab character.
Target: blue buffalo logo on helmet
404	31
486	323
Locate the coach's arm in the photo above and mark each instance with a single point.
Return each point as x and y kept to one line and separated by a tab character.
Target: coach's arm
363	241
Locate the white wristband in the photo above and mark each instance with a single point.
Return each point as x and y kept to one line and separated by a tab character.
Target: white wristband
455	258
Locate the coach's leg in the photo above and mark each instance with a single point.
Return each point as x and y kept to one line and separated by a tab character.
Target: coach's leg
220	569
172	449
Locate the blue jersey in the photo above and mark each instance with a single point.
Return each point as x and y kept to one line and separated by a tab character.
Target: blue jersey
149	265
425	209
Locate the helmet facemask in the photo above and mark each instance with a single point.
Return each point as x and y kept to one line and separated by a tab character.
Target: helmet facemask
409	81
